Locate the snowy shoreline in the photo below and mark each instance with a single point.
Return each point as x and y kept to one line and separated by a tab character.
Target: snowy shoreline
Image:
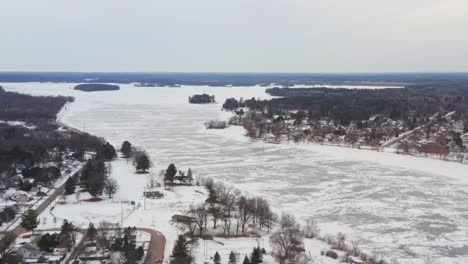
407	206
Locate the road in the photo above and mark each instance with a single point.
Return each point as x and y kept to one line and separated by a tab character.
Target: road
155	253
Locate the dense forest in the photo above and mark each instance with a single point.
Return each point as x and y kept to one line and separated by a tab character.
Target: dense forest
202	99
30	137
346	105
22	107
94	87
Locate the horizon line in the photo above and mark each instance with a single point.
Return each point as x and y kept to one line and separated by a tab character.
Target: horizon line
232	72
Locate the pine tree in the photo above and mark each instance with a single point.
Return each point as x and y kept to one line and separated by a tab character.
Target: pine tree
256	257
170	173
246	260
180	247
143	163
29	220
67	231
126	149
232	258
106	152
69	186
217	258
92	232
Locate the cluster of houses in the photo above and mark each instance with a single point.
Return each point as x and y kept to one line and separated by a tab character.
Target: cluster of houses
31	254
437	135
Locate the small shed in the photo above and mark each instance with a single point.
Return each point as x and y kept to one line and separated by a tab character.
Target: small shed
153	194
183	219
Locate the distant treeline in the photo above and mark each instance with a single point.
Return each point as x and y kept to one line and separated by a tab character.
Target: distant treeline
93	87
240	79
345	105
202	99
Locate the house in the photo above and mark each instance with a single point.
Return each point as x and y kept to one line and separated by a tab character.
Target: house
434	148
20	197
153	194
90	255
183	219
28	252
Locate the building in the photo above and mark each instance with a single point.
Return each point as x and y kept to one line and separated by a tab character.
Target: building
20	197
183	219
28	252
435	149
153	194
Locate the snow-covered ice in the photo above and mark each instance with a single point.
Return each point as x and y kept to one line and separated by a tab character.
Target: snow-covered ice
408	207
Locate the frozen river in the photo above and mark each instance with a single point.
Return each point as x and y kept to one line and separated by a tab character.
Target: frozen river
405	206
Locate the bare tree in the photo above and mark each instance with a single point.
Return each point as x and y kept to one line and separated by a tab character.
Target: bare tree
152	182
355	247
215	212
311	228
246	208
262	212
340	240
227	197
110	187
287	221
199	214
103	233
287	243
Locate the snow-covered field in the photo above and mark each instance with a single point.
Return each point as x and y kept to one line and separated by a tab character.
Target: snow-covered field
408	207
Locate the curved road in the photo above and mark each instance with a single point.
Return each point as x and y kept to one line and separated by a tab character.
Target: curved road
155	252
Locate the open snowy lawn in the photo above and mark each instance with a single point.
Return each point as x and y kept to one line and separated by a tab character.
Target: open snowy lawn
407	207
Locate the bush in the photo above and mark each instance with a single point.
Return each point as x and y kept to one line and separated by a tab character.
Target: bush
332	254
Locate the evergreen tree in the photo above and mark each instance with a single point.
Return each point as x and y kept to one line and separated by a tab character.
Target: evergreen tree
69	186
180	248
24	185
126	149
217	258
189	176
246	260
68	231
96	184
91	169
92	232
106	152
29	220
47	241
232	258
170	173
142	163
256	257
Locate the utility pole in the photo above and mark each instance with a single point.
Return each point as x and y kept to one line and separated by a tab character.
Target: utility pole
144	199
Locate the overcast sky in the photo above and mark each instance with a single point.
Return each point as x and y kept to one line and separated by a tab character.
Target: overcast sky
234	35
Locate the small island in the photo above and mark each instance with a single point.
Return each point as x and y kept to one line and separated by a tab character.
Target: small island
202	99
94	87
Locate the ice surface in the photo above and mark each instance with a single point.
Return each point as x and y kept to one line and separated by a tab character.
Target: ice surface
408	207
